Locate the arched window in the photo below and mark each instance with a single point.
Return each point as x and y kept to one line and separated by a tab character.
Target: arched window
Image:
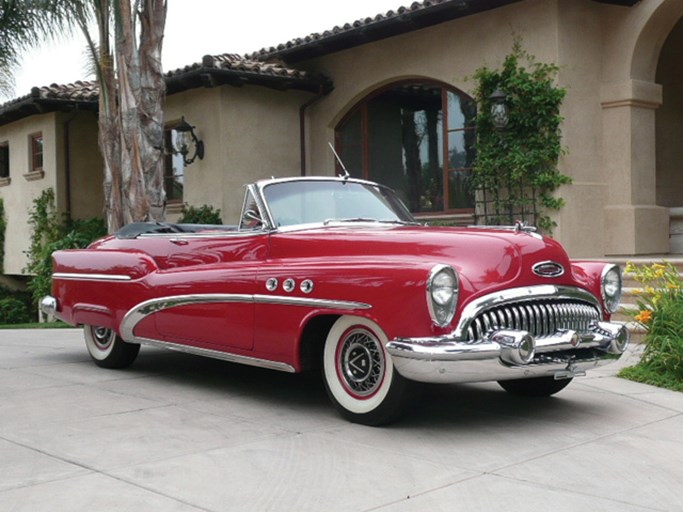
396	137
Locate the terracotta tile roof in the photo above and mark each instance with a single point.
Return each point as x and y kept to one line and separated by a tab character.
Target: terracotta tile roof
212	71
241	64
404	19
77	91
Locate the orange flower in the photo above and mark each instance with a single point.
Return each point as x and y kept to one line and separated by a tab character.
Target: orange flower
644	316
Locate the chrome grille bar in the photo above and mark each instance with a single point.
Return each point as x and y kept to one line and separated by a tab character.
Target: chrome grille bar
540	318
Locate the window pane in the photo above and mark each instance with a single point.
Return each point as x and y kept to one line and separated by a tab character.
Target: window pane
174	171
461	149
461	111
460	194
4	161
349	145
36	152
405	144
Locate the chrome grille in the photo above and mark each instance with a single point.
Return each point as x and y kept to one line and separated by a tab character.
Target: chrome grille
539	317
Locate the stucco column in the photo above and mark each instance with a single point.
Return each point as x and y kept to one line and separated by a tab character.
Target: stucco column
634	224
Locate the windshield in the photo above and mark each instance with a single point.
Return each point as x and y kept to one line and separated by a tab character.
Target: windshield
305	202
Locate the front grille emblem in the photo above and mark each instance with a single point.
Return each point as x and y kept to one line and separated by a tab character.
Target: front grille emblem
548	269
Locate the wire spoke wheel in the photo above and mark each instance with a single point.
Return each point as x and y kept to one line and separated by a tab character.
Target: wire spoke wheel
359	375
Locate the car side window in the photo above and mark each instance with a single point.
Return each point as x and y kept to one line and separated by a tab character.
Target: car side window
251	219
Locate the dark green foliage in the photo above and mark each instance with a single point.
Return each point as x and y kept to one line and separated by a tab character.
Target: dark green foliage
518	168
50	232
3	228
16	307
204	214
13	311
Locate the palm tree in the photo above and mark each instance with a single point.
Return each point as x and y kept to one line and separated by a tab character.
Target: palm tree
126	52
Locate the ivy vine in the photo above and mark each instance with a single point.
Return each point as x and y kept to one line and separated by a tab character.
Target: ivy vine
515	174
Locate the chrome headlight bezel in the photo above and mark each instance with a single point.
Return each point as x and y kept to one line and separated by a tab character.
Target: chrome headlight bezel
443	287
611	287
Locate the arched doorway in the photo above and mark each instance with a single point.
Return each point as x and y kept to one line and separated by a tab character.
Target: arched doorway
636	220
669	134
417	137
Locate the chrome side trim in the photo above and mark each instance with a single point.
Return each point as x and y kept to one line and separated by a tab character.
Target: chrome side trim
136	314
502	297
301	301
223	356
91	277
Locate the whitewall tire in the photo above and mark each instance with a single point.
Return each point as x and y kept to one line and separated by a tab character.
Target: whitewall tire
359	376
107	349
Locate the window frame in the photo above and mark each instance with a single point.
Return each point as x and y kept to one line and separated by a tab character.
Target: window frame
6	173
362	107
36	154
169	155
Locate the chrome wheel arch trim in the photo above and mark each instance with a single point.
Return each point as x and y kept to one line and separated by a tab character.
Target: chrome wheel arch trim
503	297
138	313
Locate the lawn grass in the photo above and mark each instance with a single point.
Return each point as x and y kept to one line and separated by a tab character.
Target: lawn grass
37	325
655	377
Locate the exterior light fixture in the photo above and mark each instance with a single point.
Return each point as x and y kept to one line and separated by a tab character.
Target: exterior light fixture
500	113
184	140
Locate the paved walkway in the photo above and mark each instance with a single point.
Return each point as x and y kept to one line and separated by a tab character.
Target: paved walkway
180	433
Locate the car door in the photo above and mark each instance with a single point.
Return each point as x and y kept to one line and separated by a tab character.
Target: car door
203	293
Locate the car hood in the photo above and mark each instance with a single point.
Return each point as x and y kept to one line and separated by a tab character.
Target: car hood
484	258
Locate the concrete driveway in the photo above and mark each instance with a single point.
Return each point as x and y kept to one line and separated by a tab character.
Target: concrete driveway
180	433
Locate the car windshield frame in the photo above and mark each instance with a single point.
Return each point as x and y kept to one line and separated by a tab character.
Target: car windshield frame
325	201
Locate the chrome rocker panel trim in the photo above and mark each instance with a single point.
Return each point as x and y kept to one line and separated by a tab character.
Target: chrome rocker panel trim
506	355
217	354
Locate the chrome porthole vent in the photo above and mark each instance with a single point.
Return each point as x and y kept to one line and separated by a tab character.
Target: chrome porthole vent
271	284
289	285
306	286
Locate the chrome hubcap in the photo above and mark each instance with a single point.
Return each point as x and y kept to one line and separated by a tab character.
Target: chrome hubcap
102	337
362	362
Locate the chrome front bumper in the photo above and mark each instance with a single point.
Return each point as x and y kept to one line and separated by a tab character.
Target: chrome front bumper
508	354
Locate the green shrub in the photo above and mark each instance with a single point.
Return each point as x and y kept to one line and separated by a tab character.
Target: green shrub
3	228
204	214
13	311
660	312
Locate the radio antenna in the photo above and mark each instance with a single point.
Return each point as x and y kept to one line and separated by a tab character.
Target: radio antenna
341	164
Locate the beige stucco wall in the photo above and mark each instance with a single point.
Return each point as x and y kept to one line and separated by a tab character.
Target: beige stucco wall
85	163
605	54
250	133
18	196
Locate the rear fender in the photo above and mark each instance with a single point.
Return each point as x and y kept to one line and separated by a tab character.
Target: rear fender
97	287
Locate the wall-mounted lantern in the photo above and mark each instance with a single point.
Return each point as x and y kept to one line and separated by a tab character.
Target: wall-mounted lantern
185	139
500	113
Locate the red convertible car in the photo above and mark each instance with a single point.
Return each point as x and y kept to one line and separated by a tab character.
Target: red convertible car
334	273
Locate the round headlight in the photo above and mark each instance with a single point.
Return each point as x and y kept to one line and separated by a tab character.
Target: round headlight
611	287
442	294
443	288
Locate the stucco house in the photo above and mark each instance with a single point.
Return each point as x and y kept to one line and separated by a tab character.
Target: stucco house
272	113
